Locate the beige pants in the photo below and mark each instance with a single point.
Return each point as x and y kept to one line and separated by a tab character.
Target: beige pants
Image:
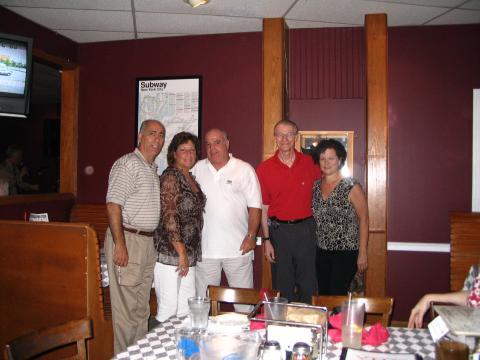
130	288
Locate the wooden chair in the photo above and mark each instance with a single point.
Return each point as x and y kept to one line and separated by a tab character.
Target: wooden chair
231	295
43	341
373	305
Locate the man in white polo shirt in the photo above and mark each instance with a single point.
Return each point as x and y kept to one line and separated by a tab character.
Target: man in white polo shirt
232	216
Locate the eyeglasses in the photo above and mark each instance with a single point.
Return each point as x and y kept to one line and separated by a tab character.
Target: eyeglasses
288	136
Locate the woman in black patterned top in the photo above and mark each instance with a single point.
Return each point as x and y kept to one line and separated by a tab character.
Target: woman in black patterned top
178	236
341	214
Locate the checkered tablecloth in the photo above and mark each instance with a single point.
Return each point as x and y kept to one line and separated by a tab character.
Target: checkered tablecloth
160	344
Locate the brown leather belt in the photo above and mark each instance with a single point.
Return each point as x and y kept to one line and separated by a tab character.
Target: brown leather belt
139	232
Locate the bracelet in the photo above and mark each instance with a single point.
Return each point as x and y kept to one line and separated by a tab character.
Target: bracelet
265	238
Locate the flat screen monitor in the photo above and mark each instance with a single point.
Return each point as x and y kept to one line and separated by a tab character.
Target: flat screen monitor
15	74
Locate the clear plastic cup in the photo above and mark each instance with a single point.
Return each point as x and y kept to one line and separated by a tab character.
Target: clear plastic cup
187	343
220	346
353	315
274	310
199	308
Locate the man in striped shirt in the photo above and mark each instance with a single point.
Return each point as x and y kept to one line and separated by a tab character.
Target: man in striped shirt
133	206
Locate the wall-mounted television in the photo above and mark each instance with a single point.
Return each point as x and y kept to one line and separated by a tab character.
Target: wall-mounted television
15	74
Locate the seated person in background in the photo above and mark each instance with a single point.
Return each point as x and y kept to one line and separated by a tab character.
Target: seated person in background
3	187
12	172
468	296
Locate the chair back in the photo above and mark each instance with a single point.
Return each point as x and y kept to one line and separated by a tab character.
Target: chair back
232	295
373	305
49	339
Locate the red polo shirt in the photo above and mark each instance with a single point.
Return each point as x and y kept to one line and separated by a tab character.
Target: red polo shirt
288	190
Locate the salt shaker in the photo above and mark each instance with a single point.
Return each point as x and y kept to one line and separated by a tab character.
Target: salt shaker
271	351
301	351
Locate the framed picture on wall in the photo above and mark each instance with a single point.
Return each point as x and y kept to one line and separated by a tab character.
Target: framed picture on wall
309	139
175	101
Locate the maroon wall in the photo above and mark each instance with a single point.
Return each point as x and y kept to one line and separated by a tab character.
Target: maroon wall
231	68
326	84
432	72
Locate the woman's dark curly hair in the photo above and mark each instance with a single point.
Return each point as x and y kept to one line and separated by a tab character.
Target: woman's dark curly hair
333	144
180	139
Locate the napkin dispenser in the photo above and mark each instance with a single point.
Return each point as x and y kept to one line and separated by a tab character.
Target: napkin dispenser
300	322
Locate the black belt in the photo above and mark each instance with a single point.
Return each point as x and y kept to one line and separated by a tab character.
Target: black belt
289	222
139	232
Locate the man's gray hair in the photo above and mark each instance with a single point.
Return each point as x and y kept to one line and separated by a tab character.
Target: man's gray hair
224	133
286	122
148	121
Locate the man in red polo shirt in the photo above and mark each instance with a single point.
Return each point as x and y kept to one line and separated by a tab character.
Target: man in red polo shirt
286	180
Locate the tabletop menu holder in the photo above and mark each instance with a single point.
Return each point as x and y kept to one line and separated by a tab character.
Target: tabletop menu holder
299	315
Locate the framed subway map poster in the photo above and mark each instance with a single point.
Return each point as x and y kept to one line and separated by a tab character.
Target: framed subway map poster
175	101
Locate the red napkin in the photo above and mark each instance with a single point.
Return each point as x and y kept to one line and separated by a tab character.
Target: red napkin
374	336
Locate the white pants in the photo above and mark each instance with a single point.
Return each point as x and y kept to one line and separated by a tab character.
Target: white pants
238	270
172	291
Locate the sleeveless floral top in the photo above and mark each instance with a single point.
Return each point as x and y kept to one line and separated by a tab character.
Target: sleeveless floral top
181	218
335	216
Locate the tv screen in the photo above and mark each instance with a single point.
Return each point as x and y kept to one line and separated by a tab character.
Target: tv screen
15	74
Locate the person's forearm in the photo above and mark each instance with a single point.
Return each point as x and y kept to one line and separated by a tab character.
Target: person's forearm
265	221
363	241
114	212
456	298
179	248
254	219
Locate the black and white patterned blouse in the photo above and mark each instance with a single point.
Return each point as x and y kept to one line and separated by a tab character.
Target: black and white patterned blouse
335	217
181	218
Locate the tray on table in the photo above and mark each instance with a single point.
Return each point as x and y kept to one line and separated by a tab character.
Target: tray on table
295	312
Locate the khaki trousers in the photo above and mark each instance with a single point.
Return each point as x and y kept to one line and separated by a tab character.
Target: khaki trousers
130	288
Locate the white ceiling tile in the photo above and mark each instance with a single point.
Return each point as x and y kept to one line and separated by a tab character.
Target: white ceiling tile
78	19
96	36
434	3
72	4
354	11
195	24
244	8
472	4
457	16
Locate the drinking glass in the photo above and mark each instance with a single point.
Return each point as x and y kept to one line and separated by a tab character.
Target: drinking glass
353	314
199	308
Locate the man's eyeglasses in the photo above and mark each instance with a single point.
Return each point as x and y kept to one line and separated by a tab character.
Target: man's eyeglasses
288	136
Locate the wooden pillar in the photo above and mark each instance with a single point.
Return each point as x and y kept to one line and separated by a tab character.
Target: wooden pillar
274	66
376	40
68	131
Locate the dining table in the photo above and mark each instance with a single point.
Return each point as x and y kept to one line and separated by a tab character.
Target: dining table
159	343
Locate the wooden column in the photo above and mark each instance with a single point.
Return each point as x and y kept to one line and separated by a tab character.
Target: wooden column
377	144
68	131
274	65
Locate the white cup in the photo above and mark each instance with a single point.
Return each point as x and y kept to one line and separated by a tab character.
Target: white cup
199	308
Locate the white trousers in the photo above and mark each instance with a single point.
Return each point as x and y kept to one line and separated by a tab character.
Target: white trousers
172	291
238	270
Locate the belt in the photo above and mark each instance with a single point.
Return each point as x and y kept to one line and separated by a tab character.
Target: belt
290	222
139	232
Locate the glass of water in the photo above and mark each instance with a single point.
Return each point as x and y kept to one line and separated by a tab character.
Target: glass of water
199	308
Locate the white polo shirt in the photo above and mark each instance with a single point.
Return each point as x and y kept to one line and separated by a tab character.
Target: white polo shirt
230	191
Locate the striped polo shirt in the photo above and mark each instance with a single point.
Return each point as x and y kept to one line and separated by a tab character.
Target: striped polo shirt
134	185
